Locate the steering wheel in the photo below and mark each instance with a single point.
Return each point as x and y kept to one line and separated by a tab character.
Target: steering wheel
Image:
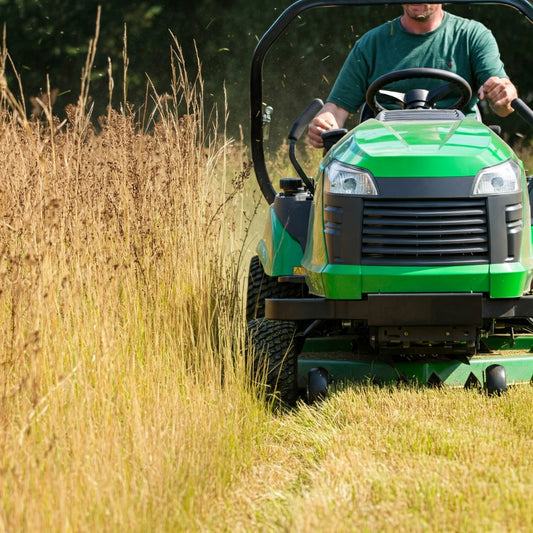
419	98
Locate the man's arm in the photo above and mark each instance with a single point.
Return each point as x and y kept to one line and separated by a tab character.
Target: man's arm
330	117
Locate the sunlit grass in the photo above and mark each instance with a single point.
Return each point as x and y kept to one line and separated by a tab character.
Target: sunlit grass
372	459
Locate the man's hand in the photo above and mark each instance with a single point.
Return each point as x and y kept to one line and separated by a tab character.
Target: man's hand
499	92
320	124
331	117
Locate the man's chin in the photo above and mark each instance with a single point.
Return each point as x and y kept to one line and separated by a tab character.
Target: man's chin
415	12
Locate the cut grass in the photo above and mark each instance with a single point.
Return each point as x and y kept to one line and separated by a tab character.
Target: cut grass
372	459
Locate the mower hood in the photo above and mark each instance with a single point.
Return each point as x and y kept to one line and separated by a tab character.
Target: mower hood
422	148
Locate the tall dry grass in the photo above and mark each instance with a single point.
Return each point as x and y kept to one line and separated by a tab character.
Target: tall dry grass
123	403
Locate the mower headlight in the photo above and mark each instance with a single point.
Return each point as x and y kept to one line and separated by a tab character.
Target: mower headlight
345	179
500	179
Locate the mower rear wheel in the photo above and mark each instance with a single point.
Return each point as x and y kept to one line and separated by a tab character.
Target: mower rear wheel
262	286
274	357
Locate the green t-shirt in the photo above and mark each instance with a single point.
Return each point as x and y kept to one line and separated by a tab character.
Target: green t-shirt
459	45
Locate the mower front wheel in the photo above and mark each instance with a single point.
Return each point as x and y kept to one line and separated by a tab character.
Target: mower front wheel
261	286
274	357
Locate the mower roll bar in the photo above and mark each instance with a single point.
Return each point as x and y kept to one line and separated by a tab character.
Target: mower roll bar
277	29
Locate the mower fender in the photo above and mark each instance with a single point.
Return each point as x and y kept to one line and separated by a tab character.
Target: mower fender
509	280
278	251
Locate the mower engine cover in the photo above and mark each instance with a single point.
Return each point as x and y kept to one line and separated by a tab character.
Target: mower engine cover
420	201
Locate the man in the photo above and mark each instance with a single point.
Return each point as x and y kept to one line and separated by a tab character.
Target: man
424	36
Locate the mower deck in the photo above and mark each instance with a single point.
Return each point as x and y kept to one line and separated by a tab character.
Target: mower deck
334	356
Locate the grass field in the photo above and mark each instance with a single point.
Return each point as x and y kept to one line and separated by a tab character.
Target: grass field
124	404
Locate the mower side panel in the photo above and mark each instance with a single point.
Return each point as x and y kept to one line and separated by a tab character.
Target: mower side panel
278	251
315	256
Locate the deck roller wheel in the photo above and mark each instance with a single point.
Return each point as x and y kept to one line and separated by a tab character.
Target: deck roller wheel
495	380
317	384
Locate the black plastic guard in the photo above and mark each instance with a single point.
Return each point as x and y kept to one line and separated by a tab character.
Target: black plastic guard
428	309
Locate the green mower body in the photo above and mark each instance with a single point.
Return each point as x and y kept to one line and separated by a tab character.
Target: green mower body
407	257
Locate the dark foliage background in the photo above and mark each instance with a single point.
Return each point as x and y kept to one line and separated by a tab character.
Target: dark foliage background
51	37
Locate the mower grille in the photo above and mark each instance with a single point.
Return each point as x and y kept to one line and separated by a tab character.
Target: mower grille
425	232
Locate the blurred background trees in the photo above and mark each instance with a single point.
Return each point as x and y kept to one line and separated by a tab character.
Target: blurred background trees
51	38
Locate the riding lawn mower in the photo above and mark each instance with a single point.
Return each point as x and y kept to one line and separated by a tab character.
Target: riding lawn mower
408	257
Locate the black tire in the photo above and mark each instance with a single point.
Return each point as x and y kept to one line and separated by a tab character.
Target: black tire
274	360
262	286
